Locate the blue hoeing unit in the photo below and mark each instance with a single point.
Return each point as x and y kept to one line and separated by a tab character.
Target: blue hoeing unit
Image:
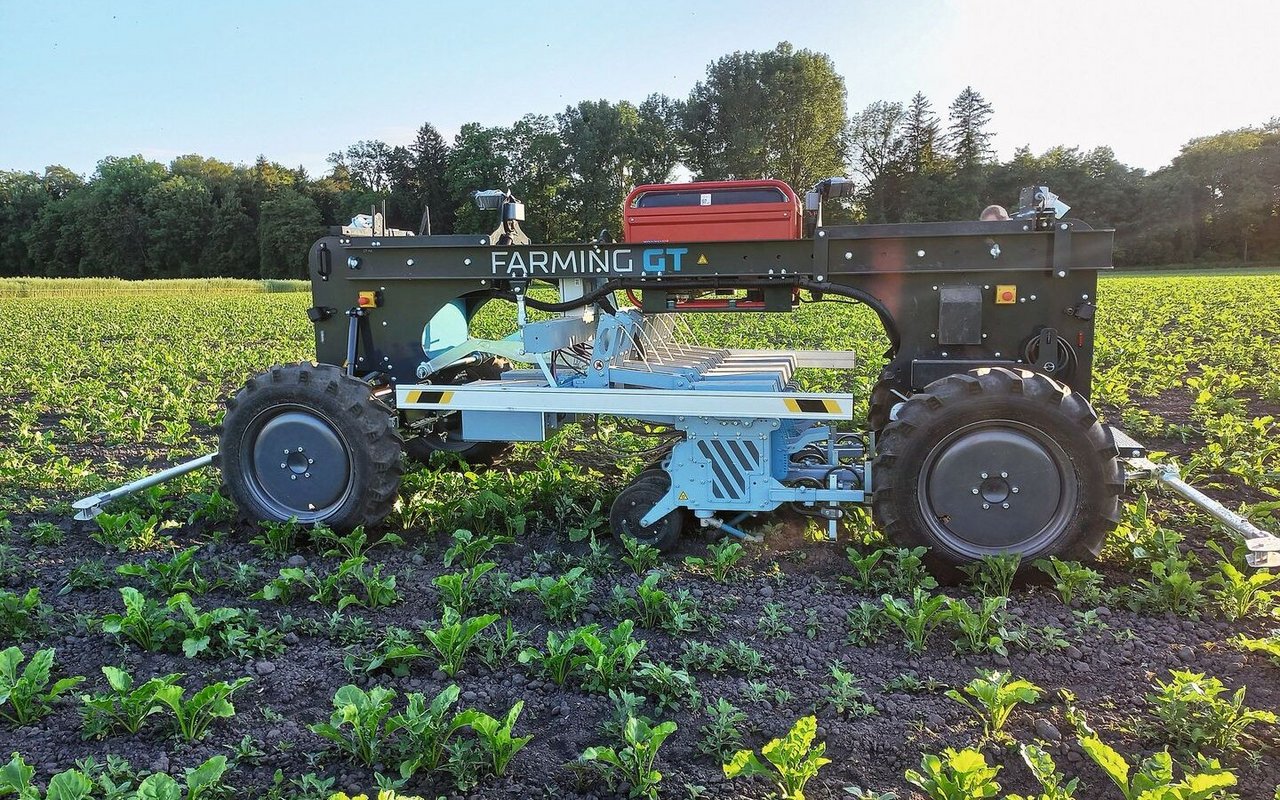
751	442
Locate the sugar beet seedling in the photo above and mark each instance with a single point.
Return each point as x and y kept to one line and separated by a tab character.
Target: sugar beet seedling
980	437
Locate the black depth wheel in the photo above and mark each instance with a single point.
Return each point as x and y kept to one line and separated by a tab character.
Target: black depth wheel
445	434
634	502
996	461
307	441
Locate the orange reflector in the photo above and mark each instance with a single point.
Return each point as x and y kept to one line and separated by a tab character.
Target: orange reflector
367	300
1006	293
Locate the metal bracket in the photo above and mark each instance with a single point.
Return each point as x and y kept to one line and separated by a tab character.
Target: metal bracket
1061	248
89	507
1263	546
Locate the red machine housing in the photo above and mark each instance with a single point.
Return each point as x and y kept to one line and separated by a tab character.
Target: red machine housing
711	211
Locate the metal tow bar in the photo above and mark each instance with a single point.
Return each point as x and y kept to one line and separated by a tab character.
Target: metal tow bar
89	507
1264	547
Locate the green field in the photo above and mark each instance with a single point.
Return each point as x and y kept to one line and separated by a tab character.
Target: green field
106	381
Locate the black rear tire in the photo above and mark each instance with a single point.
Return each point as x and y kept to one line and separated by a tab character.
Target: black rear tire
308	442
880	405
995	461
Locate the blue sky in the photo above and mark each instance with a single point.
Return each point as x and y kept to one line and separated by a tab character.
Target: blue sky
295	81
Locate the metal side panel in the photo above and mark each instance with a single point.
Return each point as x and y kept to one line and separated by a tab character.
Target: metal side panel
533	395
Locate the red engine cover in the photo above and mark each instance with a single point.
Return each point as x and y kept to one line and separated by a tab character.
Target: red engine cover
711	211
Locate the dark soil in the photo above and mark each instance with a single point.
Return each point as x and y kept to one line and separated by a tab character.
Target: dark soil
1109	670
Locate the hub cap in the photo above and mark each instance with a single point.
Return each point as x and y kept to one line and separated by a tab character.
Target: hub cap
995	486
296	463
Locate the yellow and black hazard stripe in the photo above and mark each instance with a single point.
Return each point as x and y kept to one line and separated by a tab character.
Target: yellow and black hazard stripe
423	396
813	406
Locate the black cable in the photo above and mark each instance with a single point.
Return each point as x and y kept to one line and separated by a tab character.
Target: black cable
821	287
886	319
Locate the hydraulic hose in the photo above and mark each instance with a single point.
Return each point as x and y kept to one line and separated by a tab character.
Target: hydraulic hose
819	287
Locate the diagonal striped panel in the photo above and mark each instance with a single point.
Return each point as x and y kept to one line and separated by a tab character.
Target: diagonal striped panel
731	462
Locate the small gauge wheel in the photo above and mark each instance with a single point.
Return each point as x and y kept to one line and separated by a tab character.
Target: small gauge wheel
635	501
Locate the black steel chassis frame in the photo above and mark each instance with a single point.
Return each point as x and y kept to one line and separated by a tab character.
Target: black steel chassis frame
933	285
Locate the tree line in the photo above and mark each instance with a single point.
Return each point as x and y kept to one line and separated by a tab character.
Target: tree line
779	113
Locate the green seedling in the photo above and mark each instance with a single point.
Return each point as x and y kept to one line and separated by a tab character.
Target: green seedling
607	660
793	760
495	736
633	763
1071	580
1154	778
723	556
468	548
1198	713
981	629
563	597
454	637
640	557
123	707
917	618
357	725
425	729
956	775
144	621
1053	785
721	737
26	696
992	696
194	717
461	589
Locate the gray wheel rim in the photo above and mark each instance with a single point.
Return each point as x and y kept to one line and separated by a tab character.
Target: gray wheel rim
296	463
996	486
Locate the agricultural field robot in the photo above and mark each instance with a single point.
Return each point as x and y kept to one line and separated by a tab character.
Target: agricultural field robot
980	437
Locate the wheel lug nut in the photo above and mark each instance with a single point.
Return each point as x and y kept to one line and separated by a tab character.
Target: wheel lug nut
984	476
975	491
308	475
299	449
1004	474
311	461
283	465
1014	490
1004	505
986	505
293	477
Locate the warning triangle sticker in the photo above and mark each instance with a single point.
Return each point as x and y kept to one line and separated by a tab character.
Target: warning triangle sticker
702	258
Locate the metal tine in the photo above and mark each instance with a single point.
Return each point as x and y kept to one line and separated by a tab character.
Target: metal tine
684	355
713	356
659	340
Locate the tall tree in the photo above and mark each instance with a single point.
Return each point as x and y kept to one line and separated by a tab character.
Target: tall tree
369	163
179	217
967	136
599	138
232	249
772	114
478	161
428	177
656	149
877	147
290	224
22	197
116	227
920	134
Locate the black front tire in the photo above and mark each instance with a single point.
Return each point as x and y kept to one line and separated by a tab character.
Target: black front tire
995	461
308	442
